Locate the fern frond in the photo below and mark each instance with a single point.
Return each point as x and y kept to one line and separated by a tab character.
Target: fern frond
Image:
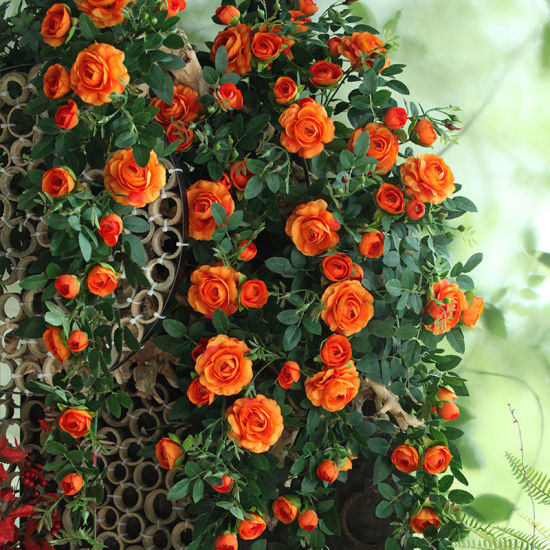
543	530
537	482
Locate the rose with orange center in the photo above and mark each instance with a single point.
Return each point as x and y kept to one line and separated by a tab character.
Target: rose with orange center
180	130
56	25
185	106
167	452
266	45
67	286
66	116
75	421
256	423
424	132
250	529
226	14
336	351
390	198
405	458
436	459
415	209
239	174
325	73
57	182
372	244
337	267
98	72
110	227
312	228
333	388
214	287
200	197
223	367
71	484
348	307
173	7
288	41
285	510
289	373
57	81
227	541
445	307
104	13
309	7
285	90
472	313
101	280
52	339
254	294
199	394
384	145
361	49
427	178
426	517
306	128
229	97
328	471
236	40
131	184
77	341
395	117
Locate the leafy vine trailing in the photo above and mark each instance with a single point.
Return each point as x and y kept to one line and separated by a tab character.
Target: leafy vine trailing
320	297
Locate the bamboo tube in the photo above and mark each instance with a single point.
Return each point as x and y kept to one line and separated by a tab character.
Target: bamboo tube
16	117
11	310
156	538
168	210
128	498
5	158
12	346
158	509
17	81
50	367
4	133
107	517
147	306
130	527
146	475
165	243
20	152
144	424
10	177
18	247
113	436
118	472
129	451
171	179
110	540
8	369
182	534
26	370
161	275
21	266
41	235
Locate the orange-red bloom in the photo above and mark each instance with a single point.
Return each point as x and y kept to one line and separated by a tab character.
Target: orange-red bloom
225	486
266	45
57	81
445	307
52	339
427	178
249	250
472	313
327	471
390	198
110	227
250	529
335	46
236	40
448	411
167	452
57	182
229	97
361	49
308	520
384	145
325	73
425	132
405	458
185	106
77	341
102	280
253	294
56	25
174	6
199	394
67	286
337	267
104	13
227	541
226	14
66	116
71	484
309	7
285	90
333	388
289	373
336	351
395	117
75	422
179	129
424	519
372	244
436	459
415	209
285	510
239	174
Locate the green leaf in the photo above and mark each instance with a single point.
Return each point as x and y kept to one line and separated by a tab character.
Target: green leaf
161	84
220	321
34	282
273	182
136	224
134	248
141	154
456	340
462	203
393	286
398	86
114	406
124	399
33	327
391	544
174	42
210	75
55	448
257	123
125	139
85	247
174	328
253	187
380	97
291	337
473	261
362	145
179	490
218	212
280	265
491	508
87	27
198	490
37	105
130	339
235	220
382	469
288	317
221	60
259	544
383	510
459	496
406	332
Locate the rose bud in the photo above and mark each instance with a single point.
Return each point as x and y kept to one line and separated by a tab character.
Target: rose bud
71	484
334	44
57	182
425	132
424	519
249	250
327	471
52	339
199	394
226	14
336	351
179	129
66	116
415	209
308	520
75	422
226	485
167	452
239	174
405	458
229	97
77	341
56	25
444	394
436	459
472	313
347	464
101	280
372	244
110	227
253	294
285	510
250	529
285	90
290	373
67	286
309	7
357	273
395	117
448	411
227	541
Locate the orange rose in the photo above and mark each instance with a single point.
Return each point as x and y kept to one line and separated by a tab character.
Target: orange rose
249	250
214	287
199	394
306	128
436	459
229	97
308	520
309	7
104	13
102	280
337	267
185	106
348	464
226	14
266	45
445	307
223	367
254	294
200	197
415	209
312	228
384	145
289	373
67	286
56	25
131	184
110	227
177	130
71	484
425	133
52	339
57	81
348	307
372	244
75	422
325	73
336	351
395	117
251	528
472	313
285	510
285	90
357	273
361	49
167	452
77	341
427	178
327	471
300	17
448	411
66	116
226	485
335	46
424	519
239	174
57	182
236	40
444	394
98	72
255	423
173	7
227	541
390	198
405	458
333	388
